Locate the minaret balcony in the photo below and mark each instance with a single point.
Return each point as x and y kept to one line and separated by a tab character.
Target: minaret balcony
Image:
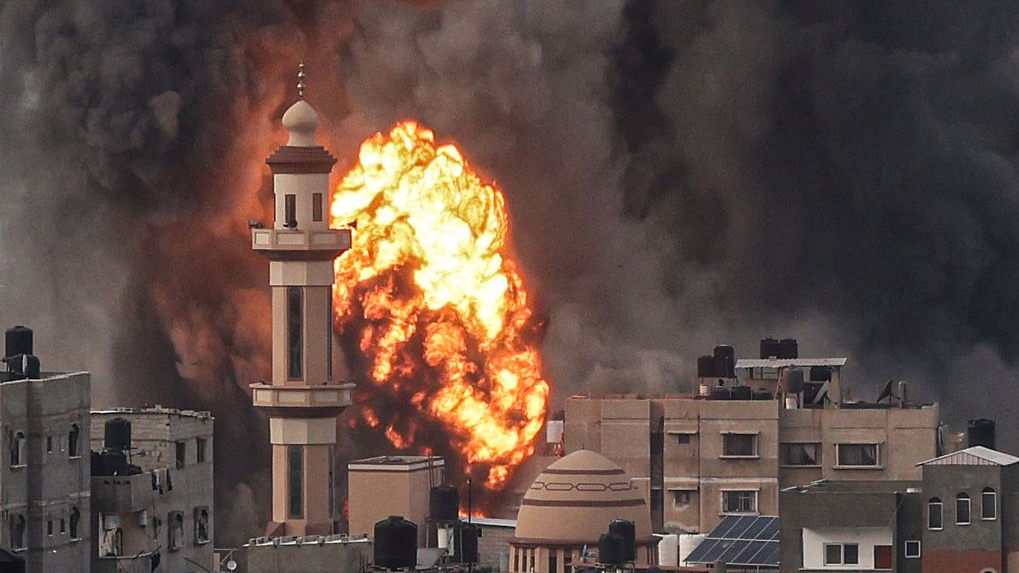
324	399
300	244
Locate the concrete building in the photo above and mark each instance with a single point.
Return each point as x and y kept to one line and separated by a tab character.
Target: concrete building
302	400
569	506
45	476
152	490
748	433
309	554
391	485
856	525
972	512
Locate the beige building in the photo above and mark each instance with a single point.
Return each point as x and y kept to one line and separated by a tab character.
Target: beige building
152	496
569	506
391	485
302	400
698	458
45	477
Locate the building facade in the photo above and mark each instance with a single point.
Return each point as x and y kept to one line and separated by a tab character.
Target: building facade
391	485
152	491
729	450
45	475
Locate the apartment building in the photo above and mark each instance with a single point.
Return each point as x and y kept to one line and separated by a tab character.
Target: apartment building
45	475
152	493
754	427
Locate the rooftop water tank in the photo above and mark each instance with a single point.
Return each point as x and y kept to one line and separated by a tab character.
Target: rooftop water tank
17	340
395	543
444	504
611	549
628	531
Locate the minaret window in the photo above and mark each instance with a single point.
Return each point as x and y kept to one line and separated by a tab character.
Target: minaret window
295	485
329	339
294	326
316	207
290	205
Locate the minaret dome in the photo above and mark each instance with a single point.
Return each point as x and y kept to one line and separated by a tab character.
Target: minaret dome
301	121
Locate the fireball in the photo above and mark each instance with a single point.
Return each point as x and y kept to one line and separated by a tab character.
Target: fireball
432	296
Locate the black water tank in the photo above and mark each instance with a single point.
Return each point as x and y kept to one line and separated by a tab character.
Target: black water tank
706	366
24	366
769	348
788	348
117	435
18	340
467	543
793	381
725	361
626	529
742	393
820	373
396	543
981	433
444	504
611	549
763	394
719	394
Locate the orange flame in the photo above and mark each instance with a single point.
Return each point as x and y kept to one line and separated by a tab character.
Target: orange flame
433	299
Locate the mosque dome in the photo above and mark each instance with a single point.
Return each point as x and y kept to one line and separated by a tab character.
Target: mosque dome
573	501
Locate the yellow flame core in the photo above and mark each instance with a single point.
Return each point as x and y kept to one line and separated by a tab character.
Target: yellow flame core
419	206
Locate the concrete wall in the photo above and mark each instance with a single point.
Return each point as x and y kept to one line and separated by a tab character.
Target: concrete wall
814	541
332	555
377	491
50	483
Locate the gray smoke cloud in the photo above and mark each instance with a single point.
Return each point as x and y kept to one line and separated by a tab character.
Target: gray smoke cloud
682	173
679	173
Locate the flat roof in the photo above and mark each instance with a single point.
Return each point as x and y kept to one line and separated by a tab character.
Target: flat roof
396	463
156	410
785	362
855	486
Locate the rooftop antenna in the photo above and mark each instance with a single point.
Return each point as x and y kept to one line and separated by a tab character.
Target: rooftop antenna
300	80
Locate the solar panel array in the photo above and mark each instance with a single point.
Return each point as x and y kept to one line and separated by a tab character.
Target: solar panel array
740	540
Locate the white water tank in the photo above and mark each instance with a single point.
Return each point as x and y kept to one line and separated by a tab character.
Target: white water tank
668	550
687	543
554	431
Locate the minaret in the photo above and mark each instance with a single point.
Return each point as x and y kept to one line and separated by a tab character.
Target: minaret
303	400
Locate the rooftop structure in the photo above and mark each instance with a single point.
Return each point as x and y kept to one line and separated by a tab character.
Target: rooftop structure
391	485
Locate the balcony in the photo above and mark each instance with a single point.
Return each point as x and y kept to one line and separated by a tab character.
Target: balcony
300	244
327	397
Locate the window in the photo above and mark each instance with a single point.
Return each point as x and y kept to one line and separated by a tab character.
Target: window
912	550
739	445
316	207
63	526
962	507
157	524
682	439
858	455
17	529
17	452
801	454
332	485
201	525
290	206
988	504
739	501
681	497
73	439
182	453
934	521
294	323
49	444
841	554
175	537
553	567
75	523
295	493
200	445
49	527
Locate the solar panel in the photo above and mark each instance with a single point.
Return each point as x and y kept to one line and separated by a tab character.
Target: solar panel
741	540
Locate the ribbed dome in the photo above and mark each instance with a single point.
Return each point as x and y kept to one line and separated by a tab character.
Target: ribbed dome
301	121
573	501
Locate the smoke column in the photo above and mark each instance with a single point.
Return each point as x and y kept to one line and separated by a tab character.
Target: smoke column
678	173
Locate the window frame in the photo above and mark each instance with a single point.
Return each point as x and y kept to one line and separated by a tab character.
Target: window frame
784	455
842	554
176	524
984	494
180	454
911	555
754	439
755	496
677	492
877	457
201	516
290	209
295	304
963	497
201	450
74	525
74	442
317	206
17	453
936	501
295	487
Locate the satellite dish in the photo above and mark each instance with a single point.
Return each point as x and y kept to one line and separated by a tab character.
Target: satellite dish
231	565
